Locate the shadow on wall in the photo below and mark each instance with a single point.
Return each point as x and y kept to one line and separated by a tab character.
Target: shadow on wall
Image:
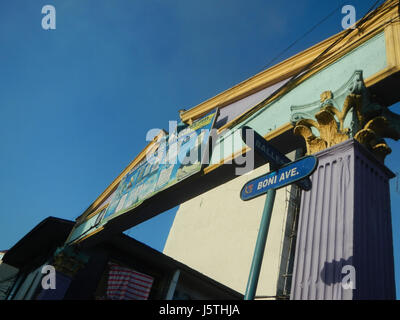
221	122
336	272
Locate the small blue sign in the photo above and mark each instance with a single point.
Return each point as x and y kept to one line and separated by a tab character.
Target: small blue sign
264	148
270	154
286	175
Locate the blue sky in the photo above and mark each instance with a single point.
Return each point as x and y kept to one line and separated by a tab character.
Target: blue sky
76	102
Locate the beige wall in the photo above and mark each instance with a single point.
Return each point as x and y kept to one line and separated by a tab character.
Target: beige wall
215	233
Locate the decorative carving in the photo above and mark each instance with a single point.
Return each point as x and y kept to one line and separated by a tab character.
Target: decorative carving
327	95
327	127
369	123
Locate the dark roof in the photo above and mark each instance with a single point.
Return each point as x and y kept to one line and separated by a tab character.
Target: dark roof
39	242
139	249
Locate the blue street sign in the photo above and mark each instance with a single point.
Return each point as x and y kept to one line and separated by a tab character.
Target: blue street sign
286	175
270	154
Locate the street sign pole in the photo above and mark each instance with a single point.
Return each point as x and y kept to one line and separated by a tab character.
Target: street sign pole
260	246
284	172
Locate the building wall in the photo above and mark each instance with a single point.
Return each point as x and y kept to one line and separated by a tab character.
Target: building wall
216	233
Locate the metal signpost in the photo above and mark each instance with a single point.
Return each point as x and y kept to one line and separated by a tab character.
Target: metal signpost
284	172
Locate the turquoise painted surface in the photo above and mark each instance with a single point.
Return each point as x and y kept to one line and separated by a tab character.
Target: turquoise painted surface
83	228
369	57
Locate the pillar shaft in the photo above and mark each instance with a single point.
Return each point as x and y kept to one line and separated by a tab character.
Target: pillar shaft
345	229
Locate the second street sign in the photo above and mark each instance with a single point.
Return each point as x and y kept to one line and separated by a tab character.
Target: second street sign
286	175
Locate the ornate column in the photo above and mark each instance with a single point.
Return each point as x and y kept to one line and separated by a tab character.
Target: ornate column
344	114
344	248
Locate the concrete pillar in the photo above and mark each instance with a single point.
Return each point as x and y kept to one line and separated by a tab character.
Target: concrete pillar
345	229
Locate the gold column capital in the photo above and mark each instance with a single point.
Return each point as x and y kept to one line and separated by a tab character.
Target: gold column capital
345	114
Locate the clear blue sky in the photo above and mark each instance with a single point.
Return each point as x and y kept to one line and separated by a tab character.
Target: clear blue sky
76	102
